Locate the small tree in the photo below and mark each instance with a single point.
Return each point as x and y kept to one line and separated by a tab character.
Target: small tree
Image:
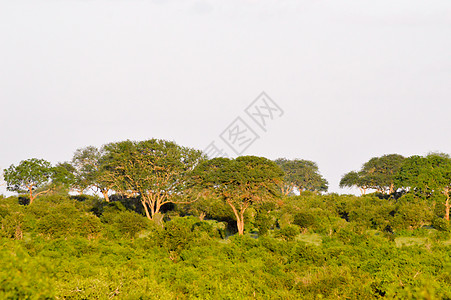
240	182
29	176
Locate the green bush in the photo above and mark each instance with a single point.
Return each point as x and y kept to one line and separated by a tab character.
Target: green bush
411	213
304	220
178	233
441	224
55	225
67	252
22	276
124	223
288	233
263	221
88	226
11	226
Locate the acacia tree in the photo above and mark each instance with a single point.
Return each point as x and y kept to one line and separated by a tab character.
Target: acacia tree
378	173
381	172
90	171
157	170
63	176
353	179
301	174
30	176
240	182
428	175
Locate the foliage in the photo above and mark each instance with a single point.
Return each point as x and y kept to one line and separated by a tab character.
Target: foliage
440	224
156	170
123	223
89	169
288	233
28	176
427	176
63	176
301	174
378	173
310	246
304	219
240	182
121	255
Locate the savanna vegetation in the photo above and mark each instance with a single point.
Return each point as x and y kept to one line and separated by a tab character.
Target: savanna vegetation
163	221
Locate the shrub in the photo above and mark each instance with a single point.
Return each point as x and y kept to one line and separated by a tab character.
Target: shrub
304	220
288	233
441	224
88	226
125	223
11	226
55	225
178	233
263	222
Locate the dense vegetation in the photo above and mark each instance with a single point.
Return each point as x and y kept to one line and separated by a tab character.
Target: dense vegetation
172	224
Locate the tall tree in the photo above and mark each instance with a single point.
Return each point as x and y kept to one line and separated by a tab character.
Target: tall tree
30	176
90	172
301	174
63	176
158	170
240	182
378	174
353	179
381	172
428	175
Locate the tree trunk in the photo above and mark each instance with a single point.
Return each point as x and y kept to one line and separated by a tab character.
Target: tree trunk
447	208
143	202
105	195
284	191
287	189
240	225
239	218
157	205
300	190
241	232
392	186
30	189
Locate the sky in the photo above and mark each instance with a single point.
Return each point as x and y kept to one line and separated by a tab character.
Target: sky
353	79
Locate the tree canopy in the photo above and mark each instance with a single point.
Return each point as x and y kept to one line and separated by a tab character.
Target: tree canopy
90	173
156	170
378	173
240	182
427	175
29	176
301	174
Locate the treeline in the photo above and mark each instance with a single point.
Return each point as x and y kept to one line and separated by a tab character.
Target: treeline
428	176
161	173
166	227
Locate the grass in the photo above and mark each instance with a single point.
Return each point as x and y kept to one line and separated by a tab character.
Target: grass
310	238
409	241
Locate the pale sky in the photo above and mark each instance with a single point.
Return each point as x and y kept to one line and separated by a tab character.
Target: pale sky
355	79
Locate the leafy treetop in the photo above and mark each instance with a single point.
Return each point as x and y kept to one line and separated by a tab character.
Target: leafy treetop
240	182
301	174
